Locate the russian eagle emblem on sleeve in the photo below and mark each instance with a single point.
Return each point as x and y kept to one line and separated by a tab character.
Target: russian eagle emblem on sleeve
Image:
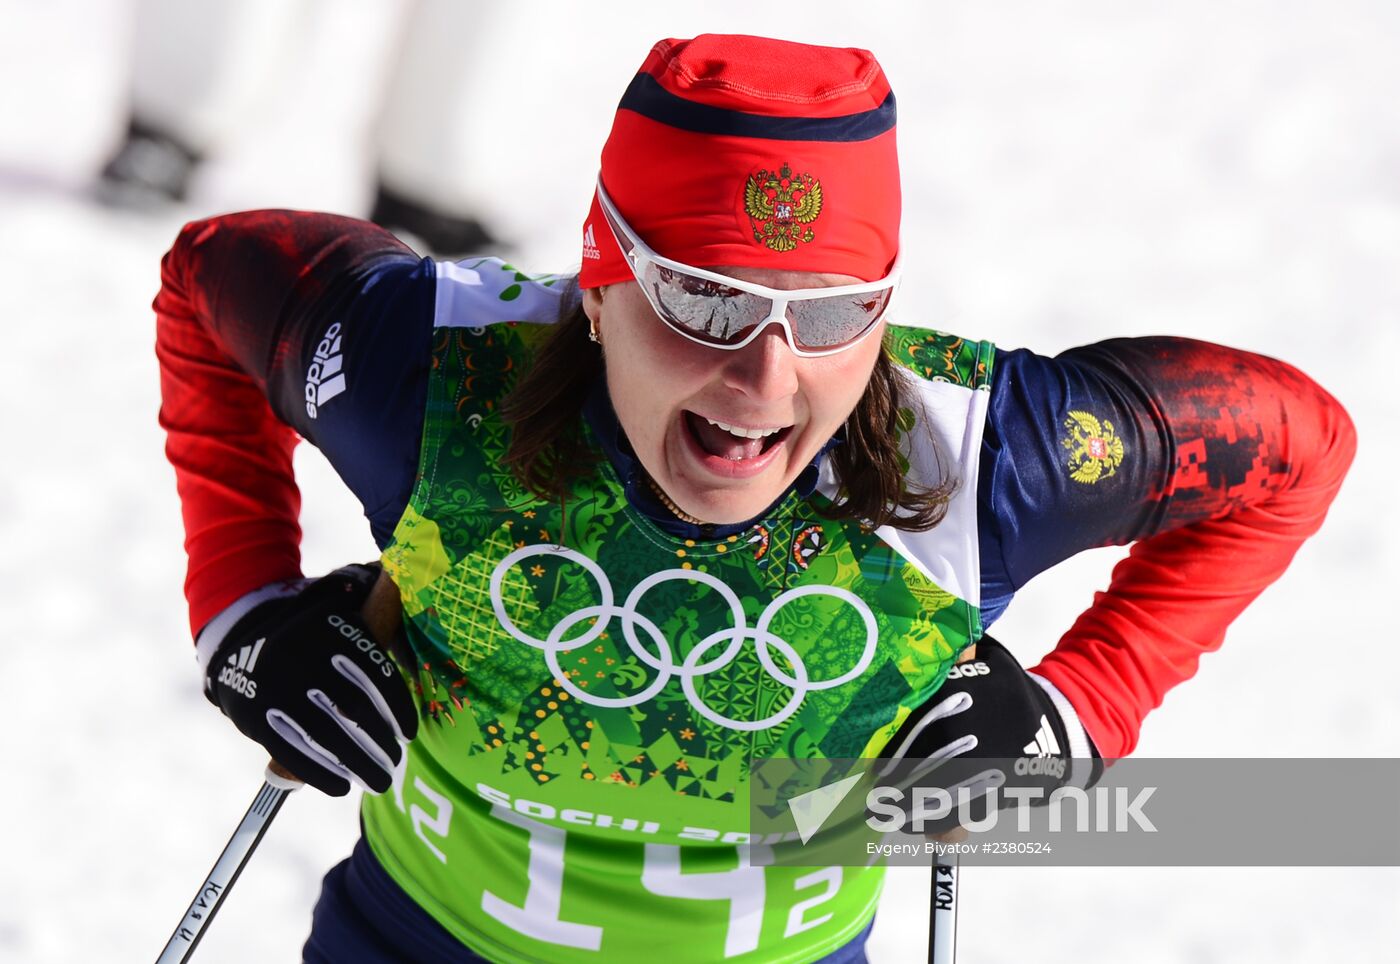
1095	450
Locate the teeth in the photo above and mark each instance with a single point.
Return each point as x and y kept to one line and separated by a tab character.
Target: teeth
745	432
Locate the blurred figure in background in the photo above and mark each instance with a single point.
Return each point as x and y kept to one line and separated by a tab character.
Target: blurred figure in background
202	68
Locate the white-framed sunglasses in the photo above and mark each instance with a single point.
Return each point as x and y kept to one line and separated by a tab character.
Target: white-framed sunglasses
722	312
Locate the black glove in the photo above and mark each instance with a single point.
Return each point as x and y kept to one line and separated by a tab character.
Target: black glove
302	676
993	725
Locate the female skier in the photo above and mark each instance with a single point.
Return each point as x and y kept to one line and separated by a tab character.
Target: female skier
703	502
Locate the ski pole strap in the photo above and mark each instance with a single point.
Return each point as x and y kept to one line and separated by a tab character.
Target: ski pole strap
226	869
943	912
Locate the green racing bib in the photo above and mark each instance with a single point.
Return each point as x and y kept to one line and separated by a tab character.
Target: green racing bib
593	689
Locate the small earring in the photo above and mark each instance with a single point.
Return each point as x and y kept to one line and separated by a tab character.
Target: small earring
593	331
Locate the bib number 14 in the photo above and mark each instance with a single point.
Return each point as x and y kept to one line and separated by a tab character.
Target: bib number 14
742	887
540	915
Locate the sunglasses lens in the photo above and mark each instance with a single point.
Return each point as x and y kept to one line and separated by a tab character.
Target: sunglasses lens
701	308
718	314
821	324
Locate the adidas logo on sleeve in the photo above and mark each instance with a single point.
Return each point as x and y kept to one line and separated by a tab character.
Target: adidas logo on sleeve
324	377
233	675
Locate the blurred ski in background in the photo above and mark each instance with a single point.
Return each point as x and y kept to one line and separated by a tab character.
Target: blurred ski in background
201	69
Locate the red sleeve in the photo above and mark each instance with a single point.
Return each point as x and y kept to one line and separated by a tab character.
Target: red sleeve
231	319
1253	452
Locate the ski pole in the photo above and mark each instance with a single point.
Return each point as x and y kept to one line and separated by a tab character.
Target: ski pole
277	784
943	911
943	896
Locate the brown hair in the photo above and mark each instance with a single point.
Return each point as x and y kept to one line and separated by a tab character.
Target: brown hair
547	451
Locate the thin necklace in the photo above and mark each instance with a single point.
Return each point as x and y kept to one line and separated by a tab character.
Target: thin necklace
674	509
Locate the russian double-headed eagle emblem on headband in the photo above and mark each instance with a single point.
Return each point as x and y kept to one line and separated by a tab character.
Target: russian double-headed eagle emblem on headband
781	205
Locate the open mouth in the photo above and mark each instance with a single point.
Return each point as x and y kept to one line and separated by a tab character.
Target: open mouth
732	442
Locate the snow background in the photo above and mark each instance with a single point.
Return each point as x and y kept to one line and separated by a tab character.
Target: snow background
1220	170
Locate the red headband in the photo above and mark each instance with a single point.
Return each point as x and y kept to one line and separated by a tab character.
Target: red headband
745	151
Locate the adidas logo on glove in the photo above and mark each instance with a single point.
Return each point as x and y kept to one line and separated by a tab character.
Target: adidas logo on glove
968	670
1044	749
363	643
232	675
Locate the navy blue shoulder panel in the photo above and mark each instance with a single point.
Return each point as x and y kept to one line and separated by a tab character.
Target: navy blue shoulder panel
1067	460
1054	479
360	393
1113	442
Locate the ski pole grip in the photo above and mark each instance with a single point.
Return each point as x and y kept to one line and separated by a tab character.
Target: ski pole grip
280	777
383	615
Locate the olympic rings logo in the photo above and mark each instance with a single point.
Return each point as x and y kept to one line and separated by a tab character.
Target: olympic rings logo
660	656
